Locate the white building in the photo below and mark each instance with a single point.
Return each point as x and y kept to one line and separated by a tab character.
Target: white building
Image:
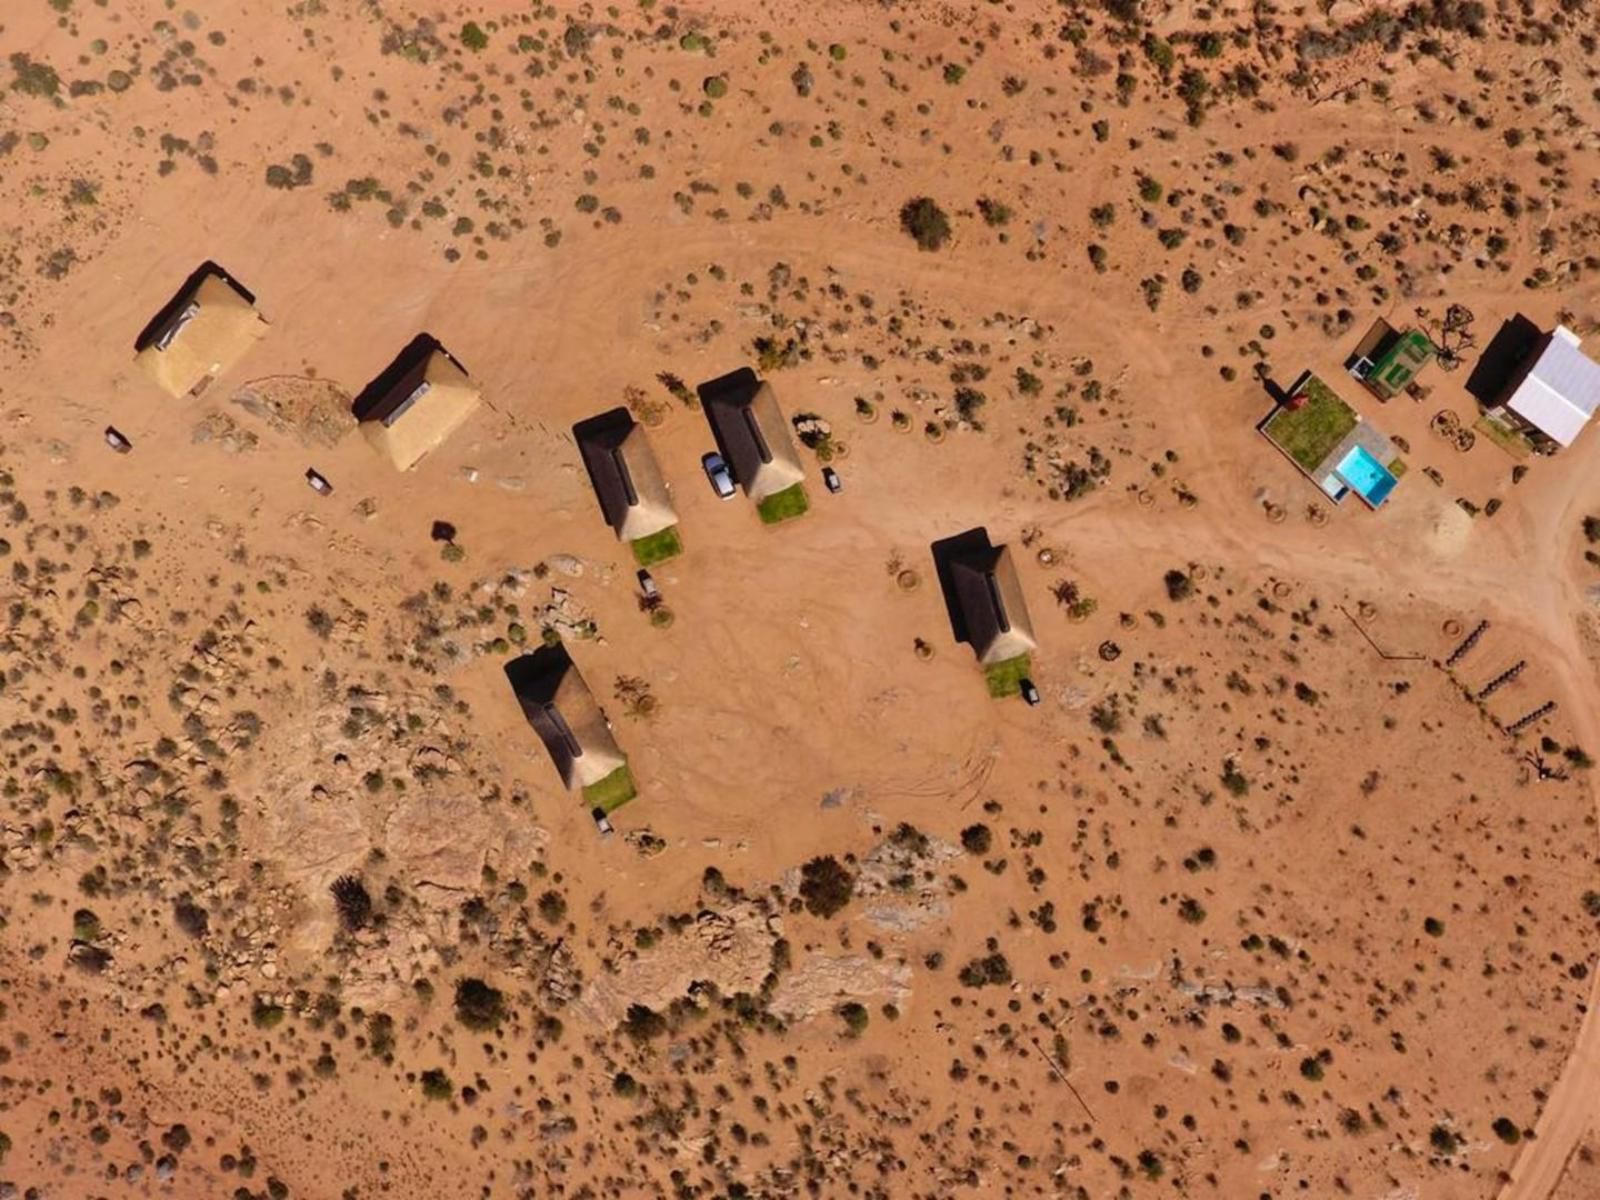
1557	390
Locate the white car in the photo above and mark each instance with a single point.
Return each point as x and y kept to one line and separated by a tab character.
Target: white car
717	472
830	477
601	822
1030	693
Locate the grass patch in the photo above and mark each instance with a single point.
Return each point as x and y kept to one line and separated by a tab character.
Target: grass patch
1005	678
612	792
1508	439
1309	434
1398	468
781	506
658	547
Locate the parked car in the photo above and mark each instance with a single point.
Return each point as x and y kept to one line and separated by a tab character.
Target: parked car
1029	692
602	822
831	478
647	585
717	472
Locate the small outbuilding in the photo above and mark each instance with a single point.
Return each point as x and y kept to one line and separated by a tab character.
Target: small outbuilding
1387	360
569	721
418	401
207	327
627	480
1554	392
752	434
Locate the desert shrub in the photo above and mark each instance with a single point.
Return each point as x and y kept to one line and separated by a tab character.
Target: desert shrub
825	885
1179	585
976	839
1191	910
990	969
553	907
643	1024
436	1084
926	222
474	38
479	1006
624	1084
191	918
855	1017
351	899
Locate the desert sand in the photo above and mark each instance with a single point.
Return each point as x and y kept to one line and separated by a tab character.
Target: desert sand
1263	899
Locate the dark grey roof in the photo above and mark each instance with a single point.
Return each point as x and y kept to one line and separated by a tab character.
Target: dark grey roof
600	442
726	401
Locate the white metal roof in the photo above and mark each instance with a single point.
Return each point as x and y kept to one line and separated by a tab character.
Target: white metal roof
1562	390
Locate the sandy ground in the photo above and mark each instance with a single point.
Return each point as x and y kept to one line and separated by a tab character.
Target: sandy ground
1265	904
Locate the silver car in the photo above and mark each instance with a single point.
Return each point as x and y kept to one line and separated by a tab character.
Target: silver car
717	472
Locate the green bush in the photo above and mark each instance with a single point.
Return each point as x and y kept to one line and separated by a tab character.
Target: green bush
825	886
926	222
473	37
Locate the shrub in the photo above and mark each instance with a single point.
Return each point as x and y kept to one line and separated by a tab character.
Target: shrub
855	1018
624	1084
473	37
716	87
643	1024
976	839
264	1015
436	1085
479	1006
825	886
1179	585
1191	910
351	899
926	222
1444	1140
1506	1130
1311	1069
553	907
990	969
191	918
1234	780
993	212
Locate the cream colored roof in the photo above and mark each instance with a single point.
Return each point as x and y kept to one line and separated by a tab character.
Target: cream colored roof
430	419
223	328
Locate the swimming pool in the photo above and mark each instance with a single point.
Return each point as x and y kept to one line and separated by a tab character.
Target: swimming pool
1369	477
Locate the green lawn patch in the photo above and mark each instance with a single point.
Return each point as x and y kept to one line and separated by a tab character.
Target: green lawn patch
1398	468
780	506
1005	678
1309	434
658	547
612	792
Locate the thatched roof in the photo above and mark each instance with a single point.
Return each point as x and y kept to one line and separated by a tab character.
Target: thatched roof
628	482
207	326
752	433
417	402
565	715
993	611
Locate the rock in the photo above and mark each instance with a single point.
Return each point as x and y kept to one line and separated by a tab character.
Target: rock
565	564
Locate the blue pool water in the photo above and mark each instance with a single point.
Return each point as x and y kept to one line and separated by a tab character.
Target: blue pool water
1369	477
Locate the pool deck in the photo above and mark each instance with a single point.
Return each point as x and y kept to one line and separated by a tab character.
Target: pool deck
1362	434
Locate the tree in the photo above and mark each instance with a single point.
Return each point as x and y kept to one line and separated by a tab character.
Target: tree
1179	585
925	221
479	1006
976	839
825	886
351	899
643	1023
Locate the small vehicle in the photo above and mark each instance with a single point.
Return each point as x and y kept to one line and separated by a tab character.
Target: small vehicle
717	472
318	483
116	440
1029	692
647	585
831	478
602	822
